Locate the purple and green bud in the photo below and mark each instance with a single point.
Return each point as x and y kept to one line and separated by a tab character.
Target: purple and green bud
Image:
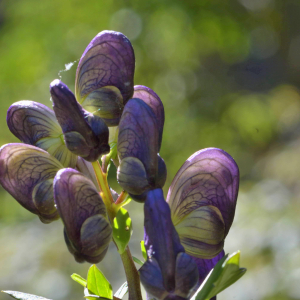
202	198
140	133
35	124
87	229
104	76
169	273
27	173
85	134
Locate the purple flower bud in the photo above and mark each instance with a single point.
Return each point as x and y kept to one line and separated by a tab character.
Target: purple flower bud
140	128
87	230
169	272
35	124
85	135
202	199
27	173
104	76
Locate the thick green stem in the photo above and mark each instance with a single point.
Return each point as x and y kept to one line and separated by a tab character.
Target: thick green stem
132	275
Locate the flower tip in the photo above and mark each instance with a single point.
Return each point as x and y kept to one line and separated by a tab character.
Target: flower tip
55	82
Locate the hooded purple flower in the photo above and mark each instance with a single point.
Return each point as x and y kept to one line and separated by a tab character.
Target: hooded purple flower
84	134
202	199
169	273
87	229
104	76
139	141
27	173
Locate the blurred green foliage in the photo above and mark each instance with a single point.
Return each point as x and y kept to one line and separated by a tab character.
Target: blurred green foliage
228	75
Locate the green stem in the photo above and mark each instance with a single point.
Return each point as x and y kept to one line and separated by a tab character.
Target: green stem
104	189
132	275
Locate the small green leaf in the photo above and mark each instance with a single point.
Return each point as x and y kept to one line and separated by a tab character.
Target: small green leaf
122	291
78	279
23	296
226	272
97	284
143	250
138	261
122	229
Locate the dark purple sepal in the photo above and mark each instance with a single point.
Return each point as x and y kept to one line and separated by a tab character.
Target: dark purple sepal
26	172
132	176
169	273
161	239
210	177
151	98
85	135
161	175
87	229
107	61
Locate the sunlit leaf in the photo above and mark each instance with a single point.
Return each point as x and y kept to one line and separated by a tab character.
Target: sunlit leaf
226	272
97	283
138	261
122	229
79	279
143	250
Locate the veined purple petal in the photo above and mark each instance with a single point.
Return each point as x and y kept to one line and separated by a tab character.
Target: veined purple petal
35	124
208	177
151	98
107	61
85	135
87	230
86	168
138	136
23	171
31	121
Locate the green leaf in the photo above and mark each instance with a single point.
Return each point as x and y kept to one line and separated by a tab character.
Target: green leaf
89	296
79	279
138	261
226	272
23	296
122	291
97	284
122	229
143	250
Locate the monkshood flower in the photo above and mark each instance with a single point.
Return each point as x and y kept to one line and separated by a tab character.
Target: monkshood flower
87	229
104	76
27	173
140	135
35	124
202	199
169	273
85	134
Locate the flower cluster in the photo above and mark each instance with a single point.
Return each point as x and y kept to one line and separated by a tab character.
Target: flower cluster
55	173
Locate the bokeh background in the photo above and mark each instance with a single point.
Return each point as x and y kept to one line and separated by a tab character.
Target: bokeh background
228	75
